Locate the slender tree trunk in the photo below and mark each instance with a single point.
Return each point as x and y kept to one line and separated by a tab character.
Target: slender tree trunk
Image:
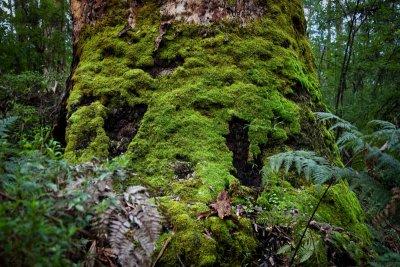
194	96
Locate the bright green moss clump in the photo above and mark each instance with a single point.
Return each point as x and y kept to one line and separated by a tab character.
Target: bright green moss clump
289	206
205	240
85	134
194	83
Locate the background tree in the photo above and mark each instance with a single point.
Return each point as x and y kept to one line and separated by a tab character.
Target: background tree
35	54
358	65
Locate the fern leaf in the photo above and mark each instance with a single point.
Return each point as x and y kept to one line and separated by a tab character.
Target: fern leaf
324	116
276	163
307	171
384	125
321	175
5	124
343	125
340	123
314	168
288	161
299	166
349	139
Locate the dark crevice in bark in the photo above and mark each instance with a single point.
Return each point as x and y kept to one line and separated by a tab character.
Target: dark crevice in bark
86	100
206	107
248	172
339	257
300	94
163	67
83	143
110	51
60	125
121	125
298	25
285	43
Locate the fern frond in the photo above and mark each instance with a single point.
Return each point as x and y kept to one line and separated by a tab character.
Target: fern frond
321	175
351	139
385	131
384	125
344	126
325	116
340	123
390	208
5	124
315	168
386	161
129	223
275	163
288	162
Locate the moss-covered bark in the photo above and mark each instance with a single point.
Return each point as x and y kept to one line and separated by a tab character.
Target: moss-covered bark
221	85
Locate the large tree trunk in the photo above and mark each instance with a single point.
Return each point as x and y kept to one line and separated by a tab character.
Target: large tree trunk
196	95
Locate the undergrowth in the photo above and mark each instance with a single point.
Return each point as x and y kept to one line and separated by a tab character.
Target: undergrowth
42	221
372	169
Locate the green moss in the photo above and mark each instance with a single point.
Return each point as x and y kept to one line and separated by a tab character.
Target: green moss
105	71
85	134
351	215
203	241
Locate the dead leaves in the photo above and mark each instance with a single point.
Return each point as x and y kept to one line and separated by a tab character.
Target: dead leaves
100	255
221	207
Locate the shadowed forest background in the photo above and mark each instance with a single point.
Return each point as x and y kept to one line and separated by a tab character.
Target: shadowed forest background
356	48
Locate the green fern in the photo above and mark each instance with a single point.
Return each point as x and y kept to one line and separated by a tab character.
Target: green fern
350	136
5	124
387	132
340	123
351	139
315	168
376	155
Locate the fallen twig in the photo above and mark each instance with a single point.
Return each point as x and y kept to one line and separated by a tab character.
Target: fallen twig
163	249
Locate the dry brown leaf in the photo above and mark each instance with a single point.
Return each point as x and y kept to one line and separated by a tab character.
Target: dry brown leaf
91	255
223	205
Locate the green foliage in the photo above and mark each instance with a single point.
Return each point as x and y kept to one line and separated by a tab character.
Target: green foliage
5	124
35	55
387	132
32	97
6	148
34	228
34	35
315	168
288	206
371	75
42	213
374	169
389	259
379	148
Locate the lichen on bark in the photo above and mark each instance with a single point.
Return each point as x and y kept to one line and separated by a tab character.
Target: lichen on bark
221	81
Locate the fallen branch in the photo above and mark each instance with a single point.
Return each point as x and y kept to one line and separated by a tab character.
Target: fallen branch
163	249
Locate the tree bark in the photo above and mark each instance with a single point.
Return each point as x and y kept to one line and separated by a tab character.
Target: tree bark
194	96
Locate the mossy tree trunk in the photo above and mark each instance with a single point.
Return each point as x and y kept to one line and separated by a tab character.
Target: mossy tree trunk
195	95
